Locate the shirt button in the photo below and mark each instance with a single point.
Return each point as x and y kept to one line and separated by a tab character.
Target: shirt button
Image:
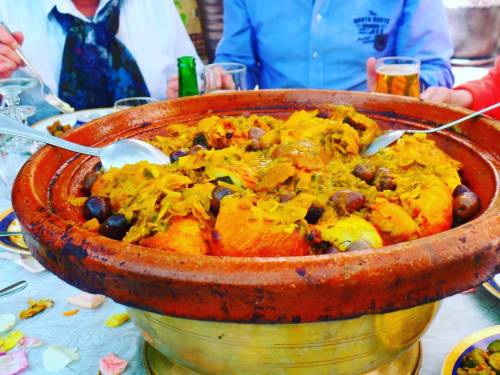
315	55
318	17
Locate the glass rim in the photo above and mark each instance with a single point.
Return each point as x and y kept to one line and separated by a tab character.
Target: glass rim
238	67
413	60
145	98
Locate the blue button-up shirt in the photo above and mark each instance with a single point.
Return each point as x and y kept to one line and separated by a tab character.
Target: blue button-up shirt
325	43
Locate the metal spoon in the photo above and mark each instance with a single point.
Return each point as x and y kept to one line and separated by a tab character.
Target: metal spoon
117	154
390	137
14	288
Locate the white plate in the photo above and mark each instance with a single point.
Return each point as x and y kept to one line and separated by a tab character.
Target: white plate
479	339
76	118
493	286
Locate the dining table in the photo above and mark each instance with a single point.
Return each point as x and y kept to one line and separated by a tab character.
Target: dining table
458	315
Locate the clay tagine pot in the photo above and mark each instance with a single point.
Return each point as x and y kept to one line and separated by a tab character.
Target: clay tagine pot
339	313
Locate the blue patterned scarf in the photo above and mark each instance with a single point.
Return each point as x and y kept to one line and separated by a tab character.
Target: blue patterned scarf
97	69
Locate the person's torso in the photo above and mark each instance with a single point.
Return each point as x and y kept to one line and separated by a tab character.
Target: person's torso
144	30
321	43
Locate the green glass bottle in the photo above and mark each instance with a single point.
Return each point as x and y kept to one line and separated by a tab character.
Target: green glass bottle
188	81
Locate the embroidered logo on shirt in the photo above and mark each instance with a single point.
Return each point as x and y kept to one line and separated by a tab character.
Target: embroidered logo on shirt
371	30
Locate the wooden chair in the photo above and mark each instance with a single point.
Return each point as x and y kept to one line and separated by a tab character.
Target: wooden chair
210	12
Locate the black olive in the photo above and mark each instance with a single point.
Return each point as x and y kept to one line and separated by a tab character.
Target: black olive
324	247
88	182
330	250
352	123
364	173
200	139
318	245
115	227
314	213
217	195
97	207
466	206
225	179
347	201
176	155
253	146
98	167
460	189
229	135
383	181
323	114
358	245
282	198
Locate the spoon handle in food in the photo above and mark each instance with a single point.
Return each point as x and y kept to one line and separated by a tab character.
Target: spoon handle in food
13	127
456	122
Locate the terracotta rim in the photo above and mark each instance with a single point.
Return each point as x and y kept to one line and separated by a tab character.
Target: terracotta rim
296	289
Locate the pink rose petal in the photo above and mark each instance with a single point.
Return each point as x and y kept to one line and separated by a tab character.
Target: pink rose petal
30	342
112	365
86	300
13	363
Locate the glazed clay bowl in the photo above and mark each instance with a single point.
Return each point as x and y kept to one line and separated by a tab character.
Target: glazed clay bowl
258	291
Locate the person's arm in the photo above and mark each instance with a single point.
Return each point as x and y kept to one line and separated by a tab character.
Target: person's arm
484	91
423	33
237	43
475	95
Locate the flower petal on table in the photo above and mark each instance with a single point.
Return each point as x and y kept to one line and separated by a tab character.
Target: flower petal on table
13	363
36	307
30	264
56	357
112	365
71	312
117	320
7	321
86	300
30	342
11	340
10	256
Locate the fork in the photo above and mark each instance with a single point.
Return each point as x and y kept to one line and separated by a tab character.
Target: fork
8	234
14	288
46	92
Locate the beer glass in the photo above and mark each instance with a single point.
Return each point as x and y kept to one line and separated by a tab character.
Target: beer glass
225	77
398	76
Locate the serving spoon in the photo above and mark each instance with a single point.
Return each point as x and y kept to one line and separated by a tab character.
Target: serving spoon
116	154
392	136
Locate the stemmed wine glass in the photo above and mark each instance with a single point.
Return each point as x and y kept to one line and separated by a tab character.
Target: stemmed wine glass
10	90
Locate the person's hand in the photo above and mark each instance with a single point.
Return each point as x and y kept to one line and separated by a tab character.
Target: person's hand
217	79
371	74
459	98
173	87
9	61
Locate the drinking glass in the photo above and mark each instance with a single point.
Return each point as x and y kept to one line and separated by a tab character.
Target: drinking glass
13	144
133	102
398	75
10	90
225	77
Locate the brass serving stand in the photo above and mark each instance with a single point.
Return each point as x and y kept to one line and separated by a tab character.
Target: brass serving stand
386	344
